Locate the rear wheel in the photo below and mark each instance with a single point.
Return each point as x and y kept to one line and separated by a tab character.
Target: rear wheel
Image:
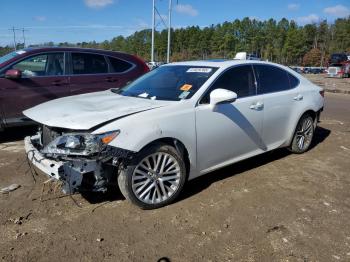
303	135
155	177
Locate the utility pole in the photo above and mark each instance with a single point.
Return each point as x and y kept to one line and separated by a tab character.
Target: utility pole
13	29
153	28
24	38
169	31
14	37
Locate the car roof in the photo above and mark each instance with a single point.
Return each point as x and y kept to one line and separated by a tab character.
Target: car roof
73	49
222	63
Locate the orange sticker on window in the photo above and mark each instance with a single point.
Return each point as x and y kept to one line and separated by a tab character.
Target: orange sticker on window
185	87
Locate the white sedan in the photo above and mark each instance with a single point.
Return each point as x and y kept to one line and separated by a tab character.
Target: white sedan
177	122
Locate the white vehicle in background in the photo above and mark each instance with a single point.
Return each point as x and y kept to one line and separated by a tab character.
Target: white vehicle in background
175	123
154	65
246	56
339	65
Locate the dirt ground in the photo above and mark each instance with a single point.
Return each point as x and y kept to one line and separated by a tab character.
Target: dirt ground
274	207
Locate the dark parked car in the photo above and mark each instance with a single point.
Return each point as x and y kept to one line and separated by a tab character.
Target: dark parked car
35	75
316	71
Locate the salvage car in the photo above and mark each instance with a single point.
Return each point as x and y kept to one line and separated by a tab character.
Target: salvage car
32	76
175	123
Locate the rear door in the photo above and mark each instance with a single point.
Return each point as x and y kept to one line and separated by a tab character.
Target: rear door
276	88
89	73
43	78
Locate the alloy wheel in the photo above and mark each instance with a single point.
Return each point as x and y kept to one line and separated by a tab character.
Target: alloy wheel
156	178
305	133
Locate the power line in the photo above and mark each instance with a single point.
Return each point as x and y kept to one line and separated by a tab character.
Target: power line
161	18
13	29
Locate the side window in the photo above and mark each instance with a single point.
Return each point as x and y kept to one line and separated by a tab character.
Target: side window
84	63
271	79
51	64
293	81
119	66
238	79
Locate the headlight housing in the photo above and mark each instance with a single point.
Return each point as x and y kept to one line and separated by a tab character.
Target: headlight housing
79	144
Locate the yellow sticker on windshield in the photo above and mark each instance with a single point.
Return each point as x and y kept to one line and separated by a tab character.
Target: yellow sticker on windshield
185	87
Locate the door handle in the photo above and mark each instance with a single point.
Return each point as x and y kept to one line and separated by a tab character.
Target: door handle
298	97
257	106
111	79
57	82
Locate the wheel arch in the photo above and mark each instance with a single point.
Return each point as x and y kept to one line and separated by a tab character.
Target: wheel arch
178	145
309	111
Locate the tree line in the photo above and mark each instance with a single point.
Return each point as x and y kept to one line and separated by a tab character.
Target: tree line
281	41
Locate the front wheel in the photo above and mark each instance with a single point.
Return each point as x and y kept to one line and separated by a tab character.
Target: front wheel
303	135
155	177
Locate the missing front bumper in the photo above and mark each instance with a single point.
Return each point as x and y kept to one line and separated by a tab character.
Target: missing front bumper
80	174
75	174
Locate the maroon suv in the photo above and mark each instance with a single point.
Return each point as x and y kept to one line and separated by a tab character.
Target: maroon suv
35	75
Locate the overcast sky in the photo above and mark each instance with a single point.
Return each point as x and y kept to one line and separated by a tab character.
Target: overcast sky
88	20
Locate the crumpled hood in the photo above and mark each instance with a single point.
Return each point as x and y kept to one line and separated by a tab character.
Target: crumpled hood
83	112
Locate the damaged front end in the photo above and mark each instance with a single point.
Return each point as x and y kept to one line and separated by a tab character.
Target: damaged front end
80	160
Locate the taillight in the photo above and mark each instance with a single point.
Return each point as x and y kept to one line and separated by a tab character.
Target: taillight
322	93
144	68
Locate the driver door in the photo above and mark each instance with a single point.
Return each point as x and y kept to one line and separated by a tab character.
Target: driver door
230	131
43	79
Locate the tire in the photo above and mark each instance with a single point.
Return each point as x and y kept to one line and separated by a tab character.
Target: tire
303	135
154	178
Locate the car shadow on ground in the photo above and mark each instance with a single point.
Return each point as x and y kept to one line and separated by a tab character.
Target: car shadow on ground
201	183
112	194
17	133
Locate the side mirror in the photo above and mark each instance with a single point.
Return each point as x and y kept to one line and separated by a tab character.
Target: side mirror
13	74
220	95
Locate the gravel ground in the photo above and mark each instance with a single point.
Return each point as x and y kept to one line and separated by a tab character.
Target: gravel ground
274	207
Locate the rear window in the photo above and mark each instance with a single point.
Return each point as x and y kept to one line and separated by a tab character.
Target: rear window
271	79
293	81
119	66
84	63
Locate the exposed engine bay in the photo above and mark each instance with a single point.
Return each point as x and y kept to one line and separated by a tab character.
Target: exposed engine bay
79	160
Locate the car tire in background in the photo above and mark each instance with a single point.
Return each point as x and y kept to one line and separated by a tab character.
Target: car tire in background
303	135
154	178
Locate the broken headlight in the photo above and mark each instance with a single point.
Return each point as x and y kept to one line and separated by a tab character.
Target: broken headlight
82	144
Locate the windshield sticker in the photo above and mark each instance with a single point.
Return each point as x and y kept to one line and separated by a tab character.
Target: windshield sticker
184	94
21	52
199	70
143	95
185	87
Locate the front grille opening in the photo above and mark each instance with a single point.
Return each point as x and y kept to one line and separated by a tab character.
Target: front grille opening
88	181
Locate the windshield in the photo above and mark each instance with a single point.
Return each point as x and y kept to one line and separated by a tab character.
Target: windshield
10	56
172	83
